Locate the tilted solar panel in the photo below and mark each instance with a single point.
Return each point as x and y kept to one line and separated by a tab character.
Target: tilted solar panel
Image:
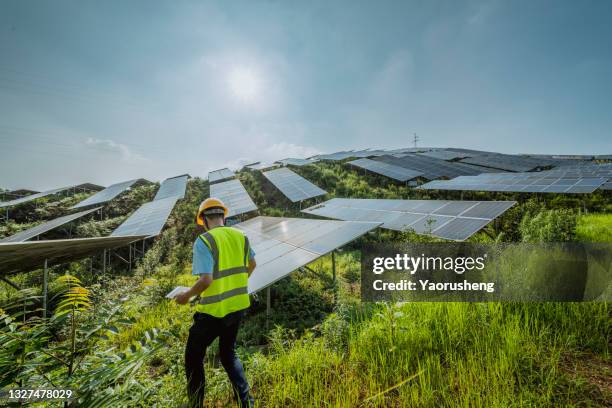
234	196
454	220
292	185
106	195
431	168
508	162
541	182
219	175
283	245
172	187
385	169
148	220
296	162
29	255
444	154
32	197
47	226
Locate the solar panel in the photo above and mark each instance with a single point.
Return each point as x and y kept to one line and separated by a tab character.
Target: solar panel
47	226
444	154
106	195
25	256
293	186
453	220
148	220
336	156
508	162
296	162
431	168
219	175
261	166
518	183
283	244
172	187
389	170
234	195
32	197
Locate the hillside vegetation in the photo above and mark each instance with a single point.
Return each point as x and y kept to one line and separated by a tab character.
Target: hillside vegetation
117	341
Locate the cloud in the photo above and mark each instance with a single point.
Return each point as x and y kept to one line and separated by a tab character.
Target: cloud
110	146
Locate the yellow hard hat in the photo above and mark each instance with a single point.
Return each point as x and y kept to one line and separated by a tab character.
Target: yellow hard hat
211	205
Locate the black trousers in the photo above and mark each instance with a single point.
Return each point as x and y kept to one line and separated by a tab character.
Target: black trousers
203	332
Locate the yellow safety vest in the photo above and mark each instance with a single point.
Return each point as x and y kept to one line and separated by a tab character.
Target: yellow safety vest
229	290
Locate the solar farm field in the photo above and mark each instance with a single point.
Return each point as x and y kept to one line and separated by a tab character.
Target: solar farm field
106	330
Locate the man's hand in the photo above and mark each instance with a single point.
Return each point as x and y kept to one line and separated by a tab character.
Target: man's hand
182	298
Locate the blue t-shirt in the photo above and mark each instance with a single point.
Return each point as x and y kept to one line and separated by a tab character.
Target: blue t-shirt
203	262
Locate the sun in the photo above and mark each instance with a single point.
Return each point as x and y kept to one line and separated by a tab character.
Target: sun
244	84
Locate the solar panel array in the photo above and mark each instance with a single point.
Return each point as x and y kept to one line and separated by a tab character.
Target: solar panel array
430	167
519	183
453	220
219	175
234	195
508	162
106	195
585	170
296	162
386	169
336	156
24	256
283	245
45	227
293	186
33	197
172	187
444	154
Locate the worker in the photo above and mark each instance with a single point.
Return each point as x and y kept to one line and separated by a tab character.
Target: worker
223	260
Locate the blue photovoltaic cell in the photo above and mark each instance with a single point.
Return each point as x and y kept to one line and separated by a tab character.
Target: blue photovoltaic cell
385	169
219	175
148	220
106	195
234	196
454	220
172	187
292	185
47	226
283	244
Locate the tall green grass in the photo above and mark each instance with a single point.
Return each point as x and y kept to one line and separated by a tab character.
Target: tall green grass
594	228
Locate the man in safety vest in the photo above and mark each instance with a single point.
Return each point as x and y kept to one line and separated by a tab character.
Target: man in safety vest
223	260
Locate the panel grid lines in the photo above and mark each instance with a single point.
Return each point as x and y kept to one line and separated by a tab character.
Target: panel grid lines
234	196
292	185
386	169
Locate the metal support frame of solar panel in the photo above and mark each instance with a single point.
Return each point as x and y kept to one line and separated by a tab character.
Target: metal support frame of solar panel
47	226
234	196
452	220
386	169
430	167
283	244
148	220
172	187
518	183
296	162
295	187
508	162
220	175
106	195
25	256
32	197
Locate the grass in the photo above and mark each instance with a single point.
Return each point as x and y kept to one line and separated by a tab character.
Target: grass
594	228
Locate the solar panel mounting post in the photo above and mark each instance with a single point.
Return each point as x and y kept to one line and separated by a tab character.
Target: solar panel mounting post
268	305
45	288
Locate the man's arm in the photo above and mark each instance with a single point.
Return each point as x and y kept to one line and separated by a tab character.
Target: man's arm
252	266
202	265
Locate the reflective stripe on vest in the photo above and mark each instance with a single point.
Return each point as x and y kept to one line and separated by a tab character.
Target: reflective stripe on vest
229	290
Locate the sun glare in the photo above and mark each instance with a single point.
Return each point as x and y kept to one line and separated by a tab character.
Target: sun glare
244	84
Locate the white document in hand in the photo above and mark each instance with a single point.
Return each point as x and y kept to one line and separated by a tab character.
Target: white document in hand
176	291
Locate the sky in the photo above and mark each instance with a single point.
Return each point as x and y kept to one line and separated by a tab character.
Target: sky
108	91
